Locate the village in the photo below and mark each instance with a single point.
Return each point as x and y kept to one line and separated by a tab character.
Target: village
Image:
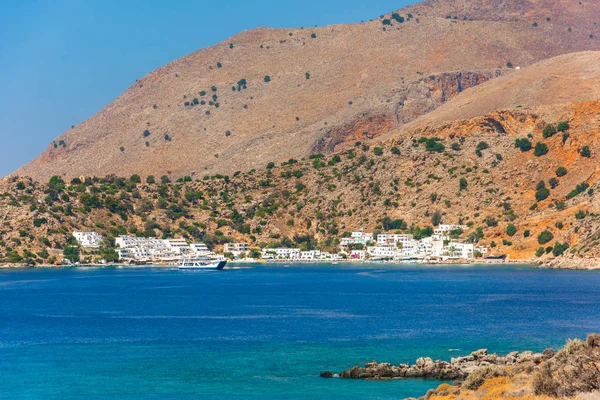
356	246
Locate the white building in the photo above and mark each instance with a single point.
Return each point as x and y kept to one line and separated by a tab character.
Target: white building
178	246
446	229
281	254
358	237
88	239
237	248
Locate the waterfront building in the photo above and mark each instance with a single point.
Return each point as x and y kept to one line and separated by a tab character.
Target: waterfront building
90	239
237	248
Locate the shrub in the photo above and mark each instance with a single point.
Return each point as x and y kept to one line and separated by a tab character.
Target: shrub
146	133
150	180
540	252
523	144
563	126
527	233
271	165
586	152
482	146
267	79
545	237
580	214
561	171
540	149
135	178
313	35
71	253
542	194
434	145
476	378
386	22
307	75
395	150
463	184
553	183
559	249
436	218
582	187
455	146
549	131
122	149
511	230
378	151
491	221
397	17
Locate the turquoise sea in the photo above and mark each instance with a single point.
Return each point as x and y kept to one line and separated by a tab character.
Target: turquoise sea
267	332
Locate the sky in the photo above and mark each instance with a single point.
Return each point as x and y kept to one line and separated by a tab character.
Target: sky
61	61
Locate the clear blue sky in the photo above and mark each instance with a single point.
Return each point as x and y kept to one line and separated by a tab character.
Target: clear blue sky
61	61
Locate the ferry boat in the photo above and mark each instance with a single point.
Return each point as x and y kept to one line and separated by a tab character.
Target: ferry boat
202	263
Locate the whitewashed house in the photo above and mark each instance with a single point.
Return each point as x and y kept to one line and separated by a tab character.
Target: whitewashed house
89	239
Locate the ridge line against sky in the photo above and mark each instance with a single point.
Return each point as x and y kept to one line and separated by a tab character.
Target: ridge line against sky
65	60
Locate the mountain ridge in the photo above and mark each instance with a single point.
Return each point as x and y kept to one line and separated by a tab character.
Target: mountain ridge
316	87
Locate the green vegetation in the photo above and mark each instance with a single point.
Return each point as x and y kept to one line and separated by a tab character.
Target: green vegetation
563	126
541	149
511	230
549	131
523	144
582	187
545	237
586	152
561	171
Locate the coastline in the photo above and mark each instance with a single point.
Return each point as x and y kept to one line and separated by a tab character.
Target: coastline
559	264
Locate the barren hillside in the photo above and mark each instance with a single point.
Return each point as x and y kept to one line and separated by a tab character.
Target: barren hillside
271	94
559	80
524	181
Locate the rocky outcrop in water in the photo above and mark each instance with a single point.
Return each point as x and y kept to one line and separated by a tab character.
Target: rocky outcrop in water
457	368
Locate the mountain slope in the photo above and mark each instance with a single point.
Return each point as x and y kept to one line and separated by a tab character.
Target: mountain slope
284	93
559	80
479	178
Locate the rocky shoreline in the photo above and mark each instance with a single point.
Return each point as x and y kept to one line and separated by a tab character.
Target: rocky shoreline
573	263
457	369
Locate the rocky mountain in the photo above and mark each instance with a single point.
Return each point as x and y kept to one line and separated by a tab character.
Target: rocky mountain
272	94
525	181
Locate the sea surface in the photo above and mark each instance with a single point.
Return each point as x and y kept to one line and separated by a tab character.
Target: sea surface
267	332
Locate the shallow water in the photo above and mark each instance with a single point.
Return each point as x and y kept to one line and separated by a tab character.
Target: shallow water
267	332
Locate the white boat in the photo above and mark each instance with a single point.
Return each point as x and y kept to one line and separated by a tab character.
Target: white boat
202	263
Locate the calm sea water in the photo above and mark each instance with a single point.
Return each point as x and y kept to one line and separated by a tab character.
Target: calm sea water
267	332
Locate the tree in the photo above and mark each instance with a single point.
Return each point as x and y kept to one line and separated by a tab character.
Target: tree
511	230
541	149
71	253
586	152
540	252
561	171
378	151
559	249
542	194
271	165
463	184
150	180
545	237
563	126
267	79
482	146
523	144
395	150
135	178
549	131
436	218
